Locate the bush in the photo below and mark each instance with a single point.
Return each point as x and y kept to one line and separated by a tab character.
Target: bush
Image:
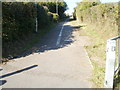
62	7
43	17
103	15
18	20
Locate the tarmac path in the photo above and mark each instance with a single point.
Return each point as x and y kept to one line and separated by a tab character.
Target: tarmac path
58	61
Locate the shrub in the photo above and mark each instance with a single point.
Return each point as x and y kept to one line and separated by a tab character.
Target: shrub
18	20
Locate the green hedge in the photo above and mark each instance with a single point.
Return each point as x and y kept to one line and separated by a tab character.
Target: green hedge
18	20
62	7
43	17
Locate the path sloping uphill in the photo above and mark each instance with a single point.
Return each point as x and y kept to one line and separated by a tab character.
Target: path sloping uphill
51	65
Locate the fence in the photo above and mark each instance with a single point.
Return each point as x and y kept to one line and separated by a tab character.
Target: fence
112	62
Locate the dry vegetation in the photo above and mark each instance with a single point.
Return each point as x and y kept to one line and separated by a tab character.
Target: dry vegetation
101	23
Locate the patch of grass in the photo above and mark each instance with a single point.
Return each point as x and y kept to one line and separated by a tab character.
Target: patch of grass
97	49
101	25
98	75
96	52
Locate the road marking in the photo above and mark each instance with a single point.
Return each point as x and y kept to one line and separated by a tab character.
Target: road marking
60	35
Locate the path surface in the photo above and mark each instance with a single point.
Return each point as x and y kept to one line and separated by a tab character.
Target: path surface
59	61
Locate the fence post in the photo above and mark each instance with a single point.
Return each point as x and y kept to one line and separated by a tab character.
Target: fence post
36	21
110	63
119	51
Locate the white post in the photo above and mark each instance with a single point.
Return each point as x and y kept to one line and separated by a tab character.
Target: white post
110	63
57	6
36	24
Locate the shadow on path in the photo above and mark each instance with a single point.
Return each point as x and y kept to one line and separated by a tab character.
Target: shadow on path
18	71
2	82
48	42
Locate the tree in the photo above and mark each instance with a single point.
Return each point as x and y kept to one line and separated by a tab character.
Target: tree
62	7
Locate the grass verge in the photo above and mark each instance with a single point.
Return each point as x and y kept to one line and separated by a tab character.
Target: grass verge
96	50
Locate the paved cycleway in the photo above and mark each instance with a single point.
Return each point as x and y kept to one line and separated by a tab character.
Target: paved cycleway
58	61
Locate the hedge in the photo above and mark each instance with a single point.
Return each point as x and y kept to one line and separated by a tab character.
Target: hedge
104	16
19	20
